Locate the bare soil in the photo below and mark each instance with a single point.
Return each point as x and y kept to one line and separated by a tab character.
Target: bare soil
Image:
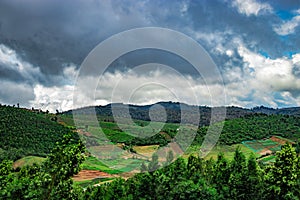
84	175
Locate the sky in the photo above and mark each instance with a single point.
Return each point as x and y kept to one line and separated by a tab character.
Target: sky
255	46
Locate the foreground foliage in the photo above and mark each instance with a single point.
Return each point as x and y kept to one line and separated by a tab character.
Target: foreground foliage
240	178
51	180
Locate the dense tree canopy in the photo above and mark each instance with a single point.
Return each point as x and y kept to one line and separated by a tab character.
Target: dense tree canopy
253	127
25	132
240	178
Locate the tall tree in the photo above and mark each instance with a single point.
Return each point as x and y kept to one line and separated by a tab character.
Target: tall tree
254	180
221	176
154	164
283	175
237	178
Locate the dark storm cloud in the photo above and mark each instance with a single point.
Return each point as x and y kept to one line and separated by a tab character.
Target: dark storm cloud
49	33
10	74
139	57
49	36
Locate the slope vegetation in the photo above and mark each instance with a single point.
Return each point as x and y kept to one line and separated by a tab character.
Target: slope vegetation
24	132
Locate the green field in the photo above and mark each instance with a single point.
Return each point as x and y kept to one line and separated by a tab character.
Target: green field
259	145
268	159
107	141
92	163
273	144
227	150
28	160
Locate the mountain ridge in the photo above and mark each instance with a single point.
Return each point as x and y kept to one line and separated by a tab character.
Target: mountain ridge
173	111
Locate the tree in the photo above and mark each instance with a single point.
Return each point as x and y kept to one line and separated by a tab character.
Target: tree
153	165
170	158
282	178
5	170
51	179
238	177
221	176
144	167
253	183
195	167
62	164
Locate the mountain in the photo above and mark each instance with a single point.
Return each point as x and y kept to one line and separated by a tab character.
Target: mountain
295	111
175	109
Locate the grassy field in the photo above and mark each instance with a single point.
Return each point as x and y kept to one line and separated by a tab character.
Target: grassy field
105	140
28	160
148	150
92	163
260	145
268	159
271	144
112	166
227	150
124	165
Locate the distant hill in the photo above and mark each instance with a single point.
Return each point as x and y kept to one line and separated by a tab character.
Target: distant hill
255	127
173	111
25	132
295	111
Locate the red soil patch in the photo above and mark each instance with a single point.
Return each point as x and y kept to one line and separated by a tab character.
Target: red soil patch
279	140
265	151
176	148
84	133
127	175
84	175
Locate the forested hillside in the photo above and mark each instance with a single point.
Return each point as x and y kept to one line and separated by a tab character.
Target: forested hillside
255	126
24	132
173	111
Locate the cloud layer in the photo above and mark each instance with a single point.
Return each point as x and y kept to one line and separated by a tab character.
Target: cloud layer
254	44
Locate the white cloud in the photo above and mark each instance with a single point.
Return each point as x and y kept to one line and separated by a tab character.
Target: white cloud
251	7
13	93
53	98
288	27
229	52
184	8
276	74
25	87
218	41
145	88
11	61
262	78
254	83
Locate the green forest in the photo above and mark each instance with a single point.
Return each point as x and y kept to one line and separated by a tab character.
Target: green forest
254	127
240	178
250	127
27	132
